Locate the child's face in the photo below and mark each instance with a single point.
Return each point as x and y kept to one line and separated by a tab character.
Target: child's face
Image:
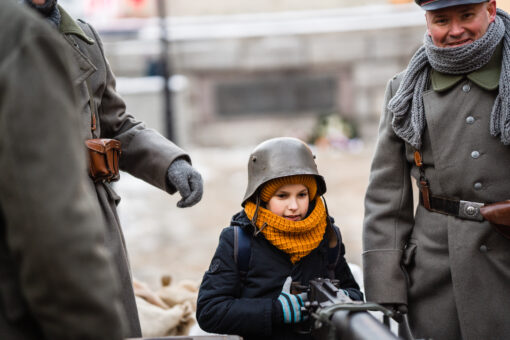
290	201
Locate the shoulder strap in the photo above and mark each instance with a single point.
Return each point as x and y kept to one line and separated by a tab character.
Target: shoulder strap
242	251
334	253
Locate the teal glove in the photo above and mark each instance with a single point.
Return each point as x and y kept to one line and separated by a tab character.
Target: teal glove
292	303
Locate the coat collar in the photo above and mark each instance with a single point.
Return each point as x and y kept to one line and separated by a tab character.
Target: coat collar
486	77
69	26
83	66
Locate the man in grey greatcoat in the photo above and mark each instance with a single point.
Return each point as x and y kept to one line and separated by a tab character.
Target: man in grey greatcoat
145	153
445	123
57	280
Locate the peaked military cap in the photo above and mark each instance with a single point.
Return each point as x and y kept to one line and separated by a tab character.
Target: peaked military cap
430	5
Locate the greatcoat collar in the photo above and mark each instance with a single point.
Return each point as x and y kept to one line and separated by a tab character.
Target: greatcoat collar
487	77
70	29
69	26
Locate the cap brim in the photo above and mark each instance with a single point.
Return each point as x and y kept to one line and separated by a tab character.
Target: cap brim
438	4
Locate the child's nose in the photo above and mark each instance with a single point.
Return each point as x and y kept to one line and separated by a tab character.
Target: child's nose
293	203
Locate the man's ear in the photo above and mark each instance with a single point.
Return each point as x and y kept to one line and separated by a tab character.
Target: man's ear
491	9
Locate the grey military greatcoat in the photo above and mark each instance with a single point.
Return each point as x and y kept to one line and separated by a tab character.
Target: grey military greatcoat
56	278
453	273
145	153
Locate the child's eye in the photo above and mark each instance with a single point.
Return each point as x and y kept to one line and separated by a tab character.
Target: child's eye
281	195
303	194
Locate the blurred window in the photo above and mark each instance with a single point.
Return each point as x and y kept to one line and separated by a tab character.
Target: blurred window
280	95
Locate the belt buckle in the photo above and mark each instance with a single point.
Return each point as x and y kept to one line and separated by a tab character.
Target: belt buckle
470	210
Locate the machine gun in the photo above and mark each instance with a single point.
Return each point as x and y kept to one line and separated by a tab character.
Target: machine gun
333	315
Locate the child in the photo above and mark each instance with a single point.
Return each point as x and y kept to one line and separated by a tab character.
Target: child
291	238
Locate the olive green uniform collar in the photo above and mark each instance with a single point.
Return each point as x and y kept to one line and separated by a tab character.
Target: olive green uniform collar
486	77
69	26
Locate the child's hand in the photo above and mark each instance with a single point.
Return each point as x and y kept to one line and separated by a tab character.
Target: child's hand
292	303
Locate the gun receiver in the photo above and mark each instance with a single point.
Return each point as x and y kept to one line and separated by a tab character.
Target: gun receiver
333	315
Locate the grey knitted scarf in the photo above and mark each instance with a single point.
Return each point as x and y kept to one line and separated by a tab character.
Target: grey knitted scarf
407	104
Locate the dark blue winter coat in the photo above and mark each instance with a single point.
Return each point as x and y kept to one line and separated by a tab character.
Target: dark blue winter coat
228	306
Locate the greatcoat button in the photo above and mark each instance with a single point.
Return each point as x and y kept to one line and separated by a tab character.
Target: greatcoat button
466	88
475	154
483	248
470	120
478	186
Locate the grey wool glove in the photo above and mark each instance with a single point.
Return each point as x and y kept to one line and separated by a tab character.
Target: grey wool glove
187	181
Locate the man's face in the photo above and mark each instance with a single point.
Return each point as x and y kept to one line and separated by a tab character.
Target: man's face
460	25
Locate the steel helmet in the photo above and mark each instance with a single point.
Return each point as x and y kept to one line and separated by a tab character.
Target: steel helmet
281	157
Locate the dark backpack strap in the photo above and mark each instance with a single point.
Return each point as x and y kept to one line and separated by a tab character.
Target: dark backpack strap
334	253
242	251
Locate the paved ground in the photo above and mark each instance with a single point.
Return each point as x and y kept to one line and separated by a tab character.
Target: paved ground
163	239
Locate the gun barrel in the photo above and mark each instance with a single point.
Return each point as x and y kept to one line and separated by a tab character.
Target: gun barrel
359	326
190	337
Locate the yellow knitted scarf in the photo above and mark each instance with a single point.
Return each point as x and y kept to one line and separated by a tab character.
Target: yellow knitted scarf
296	238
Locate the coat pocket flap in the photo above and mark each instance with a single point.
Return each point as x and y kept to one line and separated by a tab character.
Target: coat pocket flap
102	145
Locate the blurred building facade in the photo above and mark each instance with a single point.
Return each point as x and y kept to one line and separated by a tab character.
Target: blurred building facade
248	71
148	8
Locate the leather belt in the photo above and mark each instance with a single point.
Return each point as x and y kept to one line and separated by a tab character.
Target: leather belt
463	209
458	208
